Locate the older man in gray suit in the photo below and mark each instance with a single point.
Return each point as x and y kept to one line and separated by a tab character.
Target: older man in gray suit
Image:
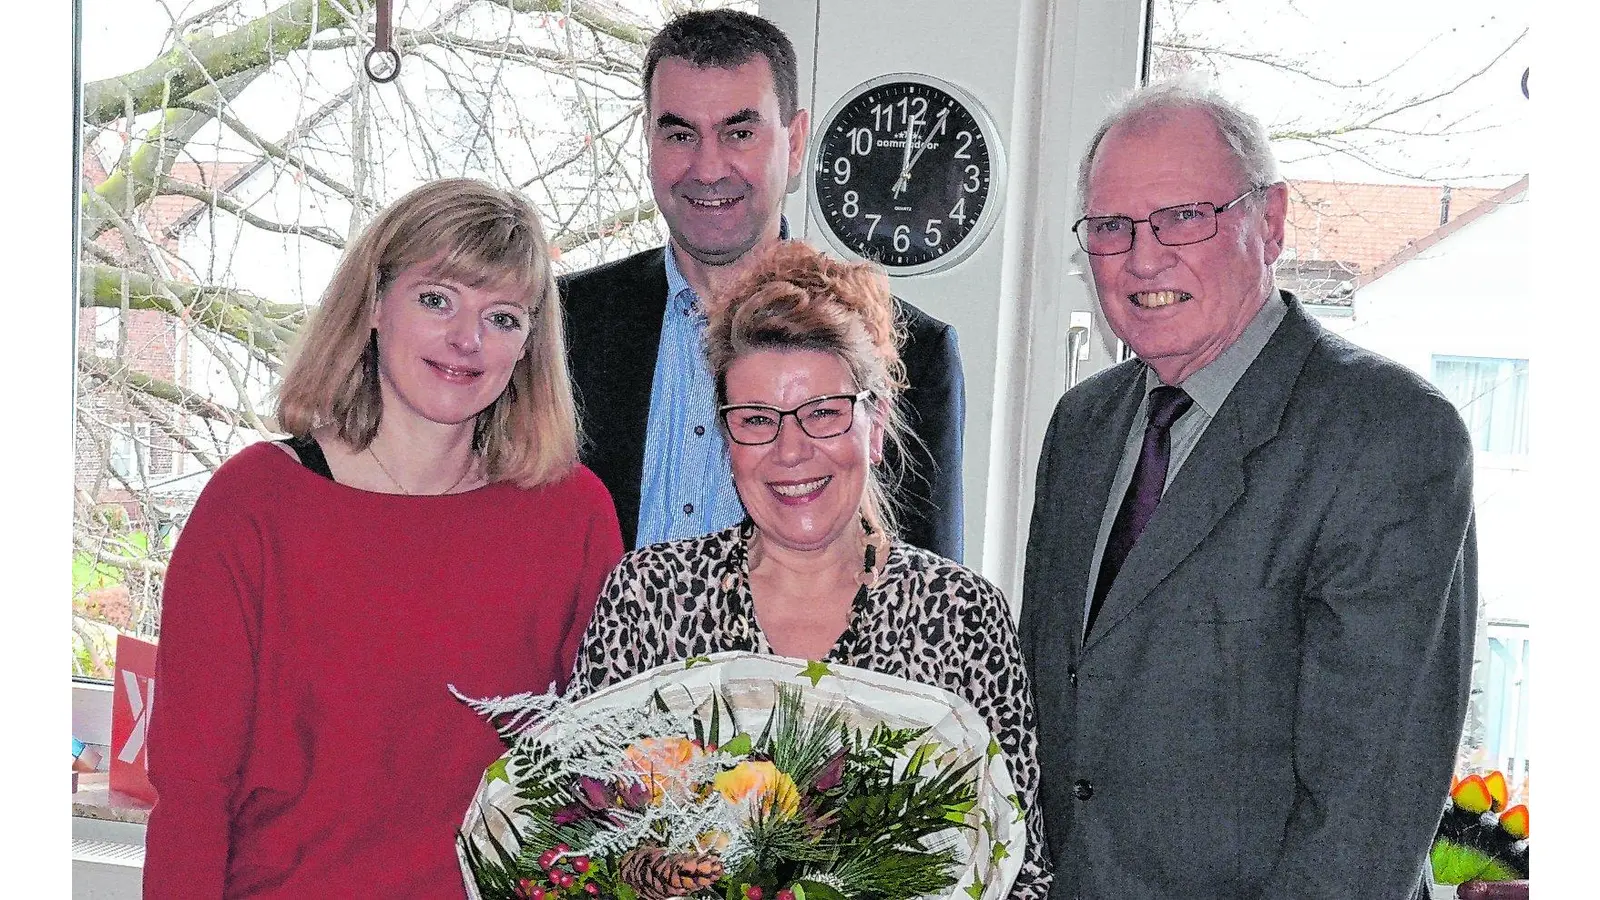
1250	593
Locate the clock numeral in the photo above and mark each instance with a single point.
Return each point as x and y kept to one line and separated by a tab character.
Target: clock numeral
972	183
913	119
882	117
874	226
841	170
852	205
933	236
902	238
861	141
965	137
959	211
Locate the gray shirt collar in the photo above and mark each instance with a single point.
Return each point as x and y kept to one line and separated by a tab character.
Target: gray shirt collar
1211	385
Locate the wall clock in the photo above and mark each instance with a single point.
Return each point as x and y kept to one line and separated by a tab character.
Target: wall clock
907	170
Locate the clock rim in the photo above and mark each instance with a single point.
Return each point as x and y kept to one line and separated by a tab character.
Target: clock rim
997	172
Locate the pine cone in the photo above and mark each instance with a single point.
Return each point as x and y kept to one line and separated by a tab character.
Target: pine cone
658	875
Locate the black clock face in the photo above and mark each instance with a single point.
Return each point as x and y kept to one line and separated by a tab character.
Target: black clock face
903	173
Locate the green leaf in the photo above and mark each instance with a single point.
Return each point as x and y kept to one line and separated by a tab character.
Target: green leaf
814	670
958	812
1016	805
497	772
994	748
999	851
920	758
738	746
626	891
814	890
1455	863
975	889
693	661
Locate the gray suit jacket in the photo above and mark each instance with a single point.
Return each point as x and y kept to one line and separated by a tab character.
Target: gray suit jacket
1270	702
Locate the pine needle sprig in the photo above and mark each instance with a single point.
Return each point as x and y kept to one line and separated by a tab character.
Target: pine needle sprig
799	743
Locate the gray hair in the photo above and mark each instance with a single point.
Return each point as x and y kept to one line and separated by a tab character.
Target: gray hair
1244	134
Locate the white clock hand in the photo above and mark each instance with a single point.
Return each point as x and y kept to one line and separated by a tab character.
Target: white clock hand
905	174
903	183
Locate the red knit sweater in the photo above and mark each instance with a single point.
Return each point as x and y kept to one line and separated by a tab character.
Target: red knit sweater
303	740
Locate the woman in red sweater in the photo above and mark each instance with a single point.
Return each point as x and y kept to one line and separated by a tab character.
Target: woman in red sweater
427	525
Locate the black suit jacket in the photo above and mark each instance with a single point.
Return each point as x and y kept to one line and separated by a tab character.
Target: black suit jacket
613	323
1269	702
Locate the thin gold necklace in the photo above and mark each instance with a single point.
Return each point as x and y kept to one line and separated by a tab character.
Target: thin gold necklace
396	482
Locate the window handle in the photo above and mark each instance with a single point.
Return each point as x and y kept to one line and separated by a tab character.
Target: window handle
1077	345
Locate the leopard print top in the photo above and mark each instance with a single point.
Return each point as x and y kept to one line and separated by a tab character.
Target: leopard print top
927	619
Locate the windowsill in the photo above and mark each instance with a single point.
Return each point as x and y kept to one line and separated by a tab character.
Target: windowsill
95	799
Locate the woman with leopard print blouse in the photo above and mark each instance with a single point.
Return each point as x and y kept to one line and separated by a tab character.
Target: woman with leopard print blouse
814	571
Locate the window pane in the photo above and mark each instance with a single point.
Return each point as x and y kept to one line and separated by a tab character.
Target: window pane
1492	396
217	201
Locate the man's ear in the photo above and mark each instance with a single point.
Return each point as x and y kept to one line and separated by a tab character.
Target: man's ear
1276	214
799	130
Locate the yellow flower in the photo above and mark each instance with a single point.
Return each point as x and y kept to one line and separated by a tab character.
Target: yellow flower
762	781
663	763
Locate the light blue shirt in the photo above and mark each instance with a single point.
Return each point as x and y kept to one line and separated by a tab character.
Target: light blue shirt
687	489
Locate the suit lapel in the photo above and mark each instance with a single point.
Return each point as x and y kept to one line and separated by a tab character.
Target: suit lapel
1213	477
1085	492
634	319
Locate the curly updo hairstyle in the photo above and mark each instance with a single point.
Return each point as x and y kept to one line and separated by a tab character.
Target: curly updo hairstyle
794	297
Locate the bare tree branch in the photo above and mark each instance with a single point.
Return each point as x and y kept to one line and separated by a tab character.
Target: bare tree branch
173	432
587	14
610	225
132	182
274	149
111	371
225	202
182	70
242	316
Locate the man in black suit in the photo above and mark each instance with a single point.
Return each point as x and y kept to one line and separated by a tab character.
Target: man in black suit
727	142
1251	578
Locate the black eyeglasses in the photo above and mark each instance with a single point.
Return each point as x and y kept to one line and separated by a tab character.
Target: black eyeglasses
1173	226
754	424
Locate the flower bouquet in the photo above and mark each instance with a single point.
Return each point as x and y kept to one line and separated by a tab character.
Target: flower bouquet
743	777
1481	840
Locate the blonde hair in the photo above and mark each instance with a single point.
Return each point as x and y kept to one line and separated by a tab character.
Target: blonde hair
475	233
796	298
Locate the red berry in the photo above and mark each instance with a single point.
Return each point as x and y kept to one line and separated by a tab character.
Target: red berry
563	848
753	892
592	888
564	879
581	864
786	894
547	859
536	894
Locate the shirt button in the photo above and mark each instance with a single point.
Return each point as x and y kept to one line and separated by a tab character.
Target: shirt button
688	509
1082	789
699	430
1072	676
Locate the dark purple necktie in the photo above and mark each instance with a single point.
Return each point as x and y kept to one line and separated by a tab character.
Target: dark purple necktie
1167	404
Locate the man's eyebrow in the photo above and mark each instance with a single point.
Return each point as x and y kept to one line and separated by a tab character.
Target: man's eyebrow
669	120
742	116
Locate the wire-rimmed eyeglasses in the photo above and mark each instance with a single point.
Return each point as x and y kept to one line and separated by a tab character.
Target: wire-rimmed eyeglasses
754	424
1173	226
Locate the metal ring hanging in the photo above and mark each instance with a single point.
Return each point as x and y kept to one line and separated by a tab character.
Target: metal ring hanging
383	61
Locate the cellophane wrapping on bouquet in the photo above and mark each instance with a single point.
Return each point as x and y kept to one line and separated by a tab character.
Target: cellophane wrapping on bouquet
741	776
